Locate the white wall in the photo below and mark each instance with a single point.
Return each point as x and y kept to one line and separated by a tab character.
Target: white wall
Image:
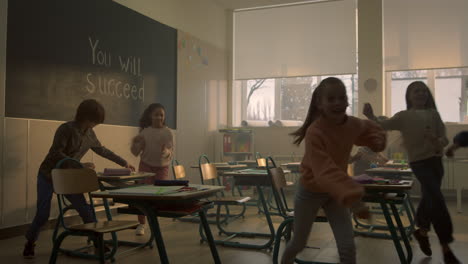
276	142
204	19
201	98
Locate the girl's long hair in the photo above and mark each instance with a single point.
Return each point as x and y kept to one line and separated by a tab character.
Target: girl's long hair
430	103
145	120
314	111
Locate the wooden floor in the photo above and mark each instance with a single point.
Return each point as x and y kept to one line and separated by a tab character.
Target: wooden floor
183	246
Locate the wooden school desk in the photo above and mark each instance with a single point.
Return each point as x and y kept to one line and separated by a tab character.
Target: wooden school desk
248	163
391	195
293	166
145	198
122	181
222	168
116	182
390	172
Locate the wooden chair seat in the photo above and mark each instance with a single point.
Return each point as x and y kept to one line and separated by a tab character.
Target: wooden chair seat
289	183
230	200
105	226
81	181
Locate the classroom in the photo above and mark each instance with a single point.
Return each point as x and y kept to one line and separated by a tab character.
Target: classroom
234	131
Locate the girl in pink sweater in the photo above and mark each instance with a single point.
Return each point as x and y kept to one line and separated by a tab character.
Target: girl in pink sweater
329	136
155	146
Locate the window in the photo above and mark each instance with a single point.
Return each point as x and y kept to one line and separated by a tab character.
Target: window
401	80
285	98
296	94
260	100
448	86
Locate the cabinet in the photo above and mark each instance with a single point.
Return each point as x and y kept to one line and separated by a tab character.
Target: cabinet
237	144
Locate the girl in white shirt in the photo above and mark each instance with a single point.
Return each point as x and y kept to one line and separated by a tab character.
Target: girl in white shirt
424	138
155	146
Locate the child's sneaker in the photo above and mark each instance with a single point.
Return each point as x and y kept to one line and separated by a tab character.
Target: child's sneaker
28	251
140	230
423	241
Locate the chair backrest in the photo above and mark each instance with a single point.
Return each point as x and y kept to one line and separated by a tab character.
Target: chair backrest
74	181
278	179
261	162
270	162
208	171
178	170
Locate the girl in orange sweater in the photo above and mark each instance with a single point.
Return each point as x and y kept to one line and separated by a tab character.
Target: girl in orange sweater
329	136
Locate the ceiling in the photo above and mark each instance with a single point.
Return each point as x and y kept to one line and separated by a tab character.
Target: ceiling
239	4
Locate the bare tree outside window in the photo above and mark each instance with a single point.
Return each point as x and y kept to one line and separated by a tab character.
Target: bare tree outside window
257	85
260	99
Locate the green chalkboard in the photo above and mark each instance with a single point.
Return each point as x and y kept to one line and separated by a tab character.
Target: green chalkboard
60	52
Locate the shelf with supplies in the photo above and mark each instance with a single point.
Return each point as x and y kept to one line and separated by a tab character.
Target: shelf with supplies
237	144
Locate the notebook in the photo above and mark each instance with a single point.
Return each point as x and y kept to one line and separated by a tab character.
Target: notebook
171	183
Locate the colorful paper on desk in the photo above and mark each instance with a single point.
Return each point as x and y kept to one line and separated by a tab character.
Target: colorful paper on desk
116	172
363	179
366	179
147	190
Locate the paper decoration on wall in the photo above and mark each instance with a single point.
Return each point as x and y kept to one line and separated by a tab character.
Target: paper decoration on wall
194	56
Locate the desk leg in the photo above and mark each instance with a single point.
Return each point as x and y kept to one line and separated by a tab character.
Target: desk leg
411	206
404	237
393	232
268	217
407	204
155	230
209	236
